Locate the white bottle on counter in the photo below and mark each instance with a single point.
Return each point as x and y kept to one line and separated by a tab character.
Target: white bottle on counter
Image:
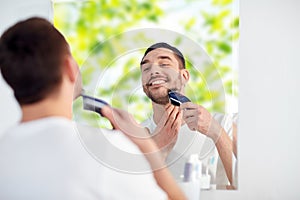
191	183
198	167
192	169
188	174
205	178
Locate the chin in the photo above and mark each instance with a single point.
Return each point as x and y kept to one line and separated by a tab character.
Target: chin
161	98
159	92
158	95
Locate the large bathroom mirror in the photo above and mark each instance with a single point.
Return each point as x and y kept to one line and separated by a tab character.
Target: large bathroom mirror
109	39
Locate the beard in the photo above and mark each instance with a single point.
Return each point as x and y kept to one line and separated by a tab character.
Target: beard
160	97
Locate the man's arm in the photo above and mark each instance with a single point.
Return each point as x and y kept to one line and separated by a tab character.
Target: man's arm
166	132
124	122
199	119
161	173
225	149
234	139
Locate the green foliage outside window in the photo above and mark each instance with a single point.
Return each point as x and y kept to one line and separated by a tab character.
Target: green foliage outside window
107	39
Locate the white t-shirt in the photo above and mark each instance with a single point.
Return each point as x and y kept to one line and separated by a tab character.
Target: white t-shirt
192	142
48	159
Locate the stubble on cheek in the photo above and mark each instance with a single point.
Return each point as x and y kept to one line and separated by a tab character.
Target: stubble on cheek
159	96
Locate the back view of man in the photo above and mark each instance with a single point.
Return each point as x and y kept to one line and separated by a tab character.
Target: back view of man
42	157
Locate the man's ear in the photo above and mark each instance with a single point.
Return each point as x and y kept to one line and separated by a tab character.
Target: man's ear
70	69
185	75
72	73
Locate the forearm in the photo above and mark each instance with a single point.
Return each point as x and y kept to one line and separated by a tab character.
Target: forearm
163	146
166	181
234	139
161	173
225	148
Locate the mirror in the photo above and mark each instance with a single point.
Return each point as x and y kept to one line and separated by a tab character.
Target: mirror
108	40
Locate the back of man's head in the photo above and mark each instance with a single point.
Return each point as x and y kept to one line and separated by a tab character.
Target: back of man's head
31	59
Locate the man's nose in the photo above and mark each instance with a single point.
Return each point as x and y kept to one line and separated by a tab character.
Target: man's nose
155	69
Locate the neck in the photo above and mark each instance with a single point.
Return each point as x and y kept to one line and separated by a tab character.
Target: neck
158	111
53	106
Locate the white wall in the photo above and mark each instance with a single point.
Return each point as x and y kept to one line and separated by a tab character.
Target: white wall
269	127
12	11
269	99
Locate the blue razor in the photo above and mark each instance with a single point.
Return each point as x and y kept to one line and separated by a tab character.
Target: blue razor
177	99
93	104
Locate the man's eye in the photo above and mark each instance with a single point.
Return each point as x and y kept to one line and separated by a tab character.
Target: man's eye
164	64
146	69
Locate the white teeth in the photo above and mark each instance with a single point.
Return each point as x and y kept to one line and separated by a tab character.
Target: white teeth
158	82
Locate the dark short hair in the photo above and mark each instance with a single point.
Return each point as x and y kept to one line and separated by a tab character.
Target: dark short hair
177	53
31	58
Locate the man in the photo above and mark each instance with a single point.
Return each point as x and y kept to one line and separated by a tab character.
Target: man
190	128
42	157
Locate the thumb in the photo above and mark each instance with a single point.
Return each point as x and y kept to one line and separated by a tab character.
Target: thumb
107	112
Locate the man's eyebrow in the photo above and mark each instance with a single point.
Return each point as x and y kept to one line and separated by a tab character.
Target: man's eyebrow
159	57
164	57
144	62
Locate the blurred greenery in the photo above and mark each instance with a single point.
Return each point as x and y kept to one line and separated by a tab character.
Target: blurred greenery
110	61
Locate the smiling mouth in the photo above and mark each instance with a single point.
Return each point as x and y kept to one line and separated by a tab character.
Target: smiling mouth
157	82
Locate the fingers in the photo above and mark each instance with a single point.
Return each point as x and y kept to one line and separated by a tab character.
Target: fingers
107	112
190	113
177	121
192	123
172	118
123	121
197	118
189	106
165	116
168	116
167	132
191	119
174	123
173	114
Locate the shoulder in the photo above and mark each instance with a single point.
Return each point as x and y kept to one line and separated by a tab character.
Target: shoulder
150	124
221	117
40	127
226	120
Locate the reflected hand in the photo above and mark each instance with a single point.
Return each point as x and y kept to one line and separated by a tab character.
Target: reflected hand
199	119
166	132
123	121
